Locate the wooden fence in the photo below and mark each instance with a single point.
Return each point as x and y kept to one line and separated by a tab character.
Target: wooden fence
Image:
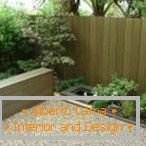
108	45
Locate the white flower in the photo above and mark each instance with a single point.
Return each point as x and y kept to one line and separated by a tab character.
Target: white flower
115	93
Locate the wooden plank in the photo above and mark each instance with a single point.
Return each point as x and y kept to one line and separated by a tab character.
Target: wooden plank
86	52
127	47
112	60
82	35
134	57
120	45
78	44
106	41
142	58
38	82
93	59
98	55
67	71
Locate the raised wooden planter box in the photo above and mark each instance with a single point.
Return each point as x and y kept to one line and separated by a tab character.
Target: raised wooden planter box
38	82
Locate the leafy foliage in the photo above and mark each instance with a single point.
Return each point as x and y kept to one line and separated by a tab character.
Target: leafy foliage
14	46
100	104
129	8
55	37
63	85
143	102
10	71
49	9
128	108
117	87
28	65
10	34
137	8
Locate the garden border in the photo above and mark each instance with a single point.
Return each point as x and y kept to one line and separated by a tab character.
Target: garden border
38	82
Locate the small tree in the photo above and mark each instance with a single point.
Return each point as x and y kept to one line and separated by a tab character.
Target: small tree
99	7
136	8
55	36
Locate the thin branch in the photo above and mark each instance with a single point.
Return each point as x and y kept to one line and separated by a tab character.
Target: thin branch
124	13
107	8
129	7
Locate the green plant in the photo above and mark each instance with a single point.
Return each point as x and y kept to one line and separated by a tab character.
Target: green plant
10	33
137	9
28	65
129	8
48	9
11	71
56	36
5	75
63	85
100	104
117	87
52	7
14	45
128	108
103	90
143	102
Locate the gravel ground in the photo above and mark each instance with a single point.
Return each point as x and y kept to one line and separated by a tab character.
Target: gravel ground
29	118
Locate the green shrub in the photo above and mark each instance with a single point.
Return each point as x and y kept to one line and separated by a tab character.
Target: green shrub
14	45
55	36
117	87
11	71
5	75
28	65
128	108
51	8
143	102
63	85
10	34
20	67
100	104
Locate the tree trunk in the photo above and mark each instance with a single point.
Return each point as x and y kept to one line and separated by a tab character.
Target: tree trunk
74	7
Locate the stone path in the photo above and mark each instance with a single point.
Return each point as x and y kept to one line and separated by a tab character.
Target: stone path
29	118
